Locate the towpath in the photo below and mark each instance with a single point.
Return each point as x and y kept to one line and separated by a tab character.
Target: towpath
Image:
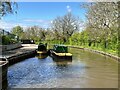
25	49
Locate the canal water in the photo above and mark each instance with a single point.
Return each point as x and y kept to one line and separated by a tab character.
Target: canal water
87	70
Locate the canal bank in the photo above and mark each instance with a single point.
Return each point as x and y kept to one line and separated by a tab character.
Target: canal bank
97	51
16	55
11	57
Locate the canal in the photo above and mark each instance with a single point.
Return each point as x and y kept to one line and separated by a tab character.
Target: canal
87	70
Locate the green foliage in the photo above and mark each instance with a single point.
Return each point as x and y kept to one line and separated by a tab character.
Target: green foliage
18	30
6	40
7	7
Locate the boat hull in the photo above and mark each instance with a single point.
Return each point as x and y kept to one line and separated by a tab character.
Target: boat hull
61	56
42	54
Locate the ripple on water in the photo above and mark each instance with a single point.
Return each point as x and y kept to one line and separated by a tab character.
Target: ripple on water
87	70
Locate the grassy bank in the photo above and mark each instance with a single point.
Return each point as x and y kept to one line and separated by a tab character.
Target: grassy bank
113	52
106	52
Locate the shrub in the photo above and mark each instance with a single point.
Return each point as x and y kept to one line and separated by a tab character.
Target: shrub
5	40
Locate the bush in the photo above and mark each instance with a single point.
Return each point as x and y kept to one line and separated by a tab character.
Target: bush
7	40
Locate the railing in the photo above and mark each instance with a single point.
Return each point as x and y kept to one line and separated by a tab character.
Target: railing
7	38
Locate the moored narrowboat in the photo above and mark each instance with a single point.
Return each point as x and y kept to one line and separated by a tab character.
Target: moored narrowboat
60	52
42	51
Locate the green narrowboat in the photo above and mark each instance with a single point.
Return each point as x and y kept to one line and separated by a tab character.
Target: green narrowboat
60	52
42	51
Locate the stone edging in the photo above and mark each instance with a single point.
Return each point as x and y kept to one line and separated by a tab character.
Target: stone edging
9	47
100	52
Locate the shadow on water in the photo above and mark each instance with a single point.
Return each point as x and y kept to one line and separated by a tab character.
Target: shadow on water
62	63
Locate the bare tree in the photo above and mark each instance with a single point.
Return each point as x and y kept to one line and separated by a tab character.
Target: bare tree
35	33
32	32
65	26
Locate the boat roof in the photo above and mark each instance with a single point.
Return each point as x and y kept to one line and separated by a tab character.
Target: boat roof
60	45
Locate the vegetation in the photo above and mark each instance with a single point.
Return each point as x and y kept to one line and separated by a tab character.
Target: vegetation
7	8
102	26
64	27
6	40
18	30
101	32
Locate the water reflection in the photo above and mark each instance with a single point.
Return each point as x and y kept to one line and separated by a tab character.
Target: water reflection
86	70
62	63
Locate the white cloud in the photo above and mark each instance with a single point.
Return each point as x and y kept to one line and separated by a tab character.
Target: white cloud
6	25
68	8
39	22
33	20
51	22
9	25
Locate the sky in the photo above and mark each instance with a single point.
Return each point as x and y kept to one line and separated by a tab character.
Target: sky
40	14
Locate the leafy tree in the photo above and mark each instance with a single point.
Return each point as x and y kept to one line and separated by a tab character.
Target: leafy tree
102	19
7	8
75	39
18	30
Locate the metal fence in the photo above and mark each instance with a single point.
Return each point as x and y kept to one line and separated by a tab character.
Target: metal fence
8	34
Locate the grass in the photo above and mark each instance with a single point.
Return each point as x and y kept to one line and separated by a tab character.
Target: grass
110	51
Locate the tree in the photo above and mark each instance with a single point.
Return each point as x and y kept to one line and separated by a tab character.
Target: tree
31	33
102	19
65	26
35	33
7	8
49	36
18	30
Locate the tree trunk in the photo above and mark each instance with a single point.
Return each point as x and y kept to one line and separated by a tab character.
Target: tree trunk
89	43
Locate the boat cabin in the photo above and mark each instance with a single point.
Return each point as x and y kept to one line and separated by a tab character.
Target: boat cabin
60	48
60	53
42	47
42	51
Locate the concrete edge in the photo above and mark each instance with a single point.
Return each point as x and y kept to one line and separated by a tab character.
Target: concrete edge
100	52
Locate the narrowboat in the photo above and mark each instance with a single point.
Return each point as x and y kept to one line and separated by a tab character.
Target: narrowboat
60	53
42	51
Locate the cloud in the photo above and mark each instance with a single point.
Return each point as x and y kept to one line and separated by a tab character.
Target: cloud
9	25
39	22
33	20
68	8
